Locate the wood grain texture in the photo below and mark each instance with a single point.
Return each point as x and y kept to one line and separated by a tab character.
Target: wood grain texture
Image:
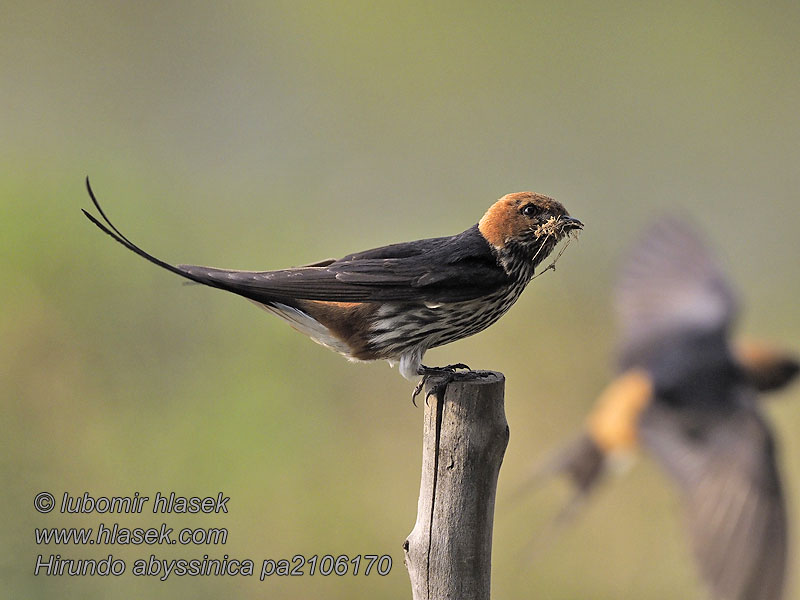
448	553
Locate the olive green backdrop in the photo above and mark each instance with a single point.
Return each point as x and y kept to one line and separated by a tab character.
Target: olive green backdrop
262	135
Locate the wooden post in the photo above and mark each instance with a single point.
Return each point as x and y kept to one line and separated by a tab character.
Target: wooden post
448	553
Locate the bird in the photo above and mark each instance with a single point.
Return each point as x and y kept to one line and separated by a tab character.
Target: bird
687	393
395	302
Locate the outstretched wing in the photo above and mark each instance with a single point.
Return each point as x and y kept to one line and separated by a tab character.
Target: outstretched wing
671	283
448	269
725	467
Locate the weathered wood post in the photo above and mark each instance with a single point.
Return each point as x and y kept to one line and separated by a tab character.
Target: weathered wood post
448	553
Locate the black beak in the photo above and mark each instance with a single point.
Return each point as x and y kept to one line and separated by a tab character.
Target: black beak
569	223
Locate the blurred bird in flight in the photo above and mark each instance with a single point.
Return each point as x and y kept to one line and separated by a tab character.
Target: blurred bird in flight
689	397
397	301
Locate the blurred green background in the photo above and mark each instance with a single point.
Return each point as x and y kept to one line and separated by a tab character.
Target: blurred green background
262	135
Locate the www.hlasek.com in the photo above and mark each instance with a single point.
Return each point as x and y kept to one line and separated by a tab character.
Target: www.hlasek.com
152	566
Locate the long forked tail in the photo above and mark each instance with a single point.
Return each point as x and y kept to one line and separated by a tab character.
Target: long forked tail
581	460
230	281
584	464
109	228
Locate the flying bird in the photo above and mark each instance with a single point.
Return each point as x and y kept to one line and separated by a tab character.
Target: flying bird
688	395
397	301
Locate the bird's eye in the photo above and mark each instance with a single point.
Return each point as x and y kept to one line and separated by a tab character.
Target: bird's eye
530	210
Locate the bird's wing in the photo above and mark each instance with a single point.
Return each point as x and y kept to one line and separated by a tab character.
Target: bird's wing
670	282
370	280
450	269
725	467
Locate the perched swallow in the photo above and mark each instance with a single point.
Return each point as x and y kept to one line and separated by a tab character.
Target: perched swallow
397	301
689	397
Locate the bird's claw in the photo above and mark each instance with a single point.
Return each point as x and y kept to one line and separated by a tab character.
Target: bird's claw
417	390
436	383
450	368
438	378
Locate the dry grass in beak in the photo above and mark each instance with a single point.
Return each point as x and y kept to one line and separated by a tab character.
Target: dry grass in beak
548	228
552	266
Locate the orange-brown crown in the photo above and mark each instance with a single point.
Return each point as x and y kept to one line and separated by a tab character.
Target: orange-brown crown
766	366
506	218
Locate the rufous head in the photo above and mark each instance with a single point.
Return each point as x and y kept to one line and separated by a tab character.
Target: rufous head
526	218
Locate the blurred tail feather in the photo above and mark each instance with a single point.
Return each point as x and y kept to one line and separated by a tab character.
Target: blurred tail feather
584	464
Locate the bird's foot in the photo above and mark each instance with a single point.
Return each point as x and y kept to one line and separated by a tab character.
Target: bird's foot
437	379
